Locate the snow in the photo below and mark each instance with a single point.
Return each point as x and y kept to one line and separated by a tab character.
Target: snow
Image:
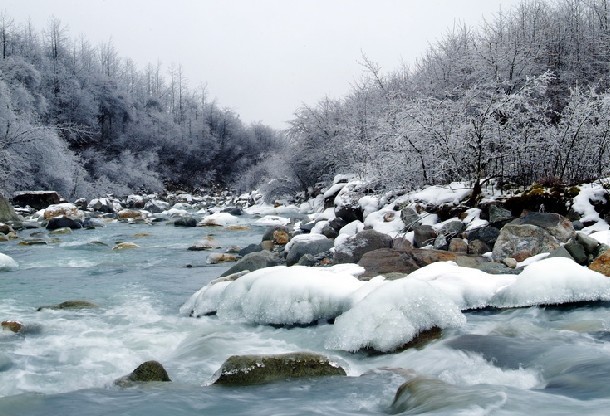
68	209
267	209
205	300
533	259
554	281
303	237
272	220
346	232
601	236
441	194
175	212
334	189
319	226
582	205
392	315
327	214
219	218
473	219
467	288
392	228
289	295
369	204
7	263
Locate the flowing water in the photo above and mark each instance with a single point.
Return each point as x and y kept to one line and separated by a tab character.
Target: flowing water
551	361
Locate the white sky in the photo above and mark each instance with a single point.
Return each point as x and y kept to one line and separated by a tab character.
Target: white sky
263	58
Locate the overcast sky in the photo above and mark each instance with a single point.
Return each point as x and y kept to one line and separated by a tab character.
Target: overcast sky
263	58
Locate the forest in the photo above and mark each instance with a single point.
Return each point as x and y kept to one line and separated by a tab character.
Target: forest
523	97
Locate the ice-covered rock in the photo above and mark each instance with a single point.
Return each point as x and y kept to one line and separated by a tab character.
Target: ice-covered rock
392	315
7	262
289	296
553	281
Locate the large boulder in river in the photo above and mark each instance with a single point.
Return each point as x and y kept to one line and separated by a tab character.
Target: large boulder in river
63	222
148	372
70	304
558	226
300	248
243	370
65	209
254	261
7	212
104	205
355	247
36	199
523	241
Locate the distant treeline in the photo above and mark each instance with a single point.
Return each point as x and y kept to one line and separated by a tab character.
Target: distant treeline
524	97
79	119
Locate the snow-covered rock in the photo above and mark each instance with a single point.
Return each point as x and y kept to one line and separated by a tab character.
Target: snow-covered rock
272	220
7	263
392	315
221	219
65	209
582	205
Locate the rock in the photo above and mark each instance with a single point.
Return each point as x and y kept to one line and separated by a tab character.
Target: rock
254	261
385	261
150	371
242	370
126	214
64	210
135	201
577	252
267	245
497	268
233	249
63	222
205	244
488	235
590	245
313	247
354	248
185	222
156	206
36	199
389	216
477	247
62	230
281	237
70	304
307	260
7	212
104	205
233	211
440	243
410	218
307	227
401	244
602	264
5	228
14	326
330	232
125	245
499	216
510	263
237	227
3	238
423	235
523	241
215	258
349	214
33	242
457	245
560	252
336	223
252	248
577	225
558	226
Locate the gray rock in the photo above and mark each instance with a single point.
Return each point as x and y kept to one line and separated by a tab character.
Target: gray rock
243	370
577	252
363	242
37	199
488	235
577	225
270	231
329	232
252	248
63	222
7	212
70	304
498	215
441	243
497	268
558	226
337	223
423	235
307	260
409	218
590	245
156	206
349	213
300	248
254	261
523	241
452	228
185	222
307	227
560	252
233	211
148	372
457	245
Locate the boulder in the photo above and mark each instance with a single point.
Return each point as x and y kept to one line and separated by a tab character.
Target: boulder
270	232
125	245
385	260
313	247
577	252
488	235
452	228
349	213
126	214
423	235
36	199
205	244
70	304
135	201
254	261
457	245
237	227
233	211
156	206
558	226
281	237
336	223
329	232
560	252
440	243
215	258
523	241
499	216
150	371
185	222
5	228
355	247
242	370
410	218
477	247
63	222
63	230
14	326
64	210
252	248
104	205
602	264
